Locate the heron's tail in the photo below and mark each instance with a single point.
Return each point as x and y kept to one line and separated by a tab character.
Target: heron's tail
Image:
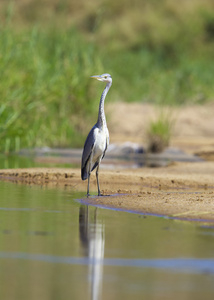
84	173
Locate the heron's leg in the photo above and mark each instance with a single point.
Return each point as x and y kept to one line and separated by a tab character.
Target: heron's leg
89	174
88	184
98	186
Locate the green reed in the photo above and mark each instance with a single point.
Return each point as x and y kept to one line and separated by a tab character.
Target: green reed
160	53
45	94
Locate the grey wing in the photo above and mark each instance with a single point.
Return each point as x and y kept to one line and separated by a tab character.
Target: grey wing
88	146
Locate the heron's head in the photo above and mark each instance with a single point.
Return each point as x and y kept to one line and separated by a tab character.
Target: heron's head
104	77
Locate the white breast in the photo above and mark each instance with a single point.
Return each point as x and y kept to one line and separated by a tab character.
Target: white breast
100	143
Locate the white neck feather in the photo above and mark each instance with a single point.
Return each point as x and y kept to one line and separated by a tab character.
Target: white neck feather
101	122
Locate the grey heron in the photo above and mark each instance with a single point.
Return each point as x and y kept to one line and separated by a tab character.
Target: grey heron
98	138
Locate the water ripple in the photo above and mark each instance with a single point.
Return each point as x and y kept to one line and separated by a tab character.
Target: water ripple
187	265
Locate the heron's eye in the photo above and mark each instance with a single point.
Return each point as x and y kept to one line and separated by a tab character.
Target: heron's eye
105	77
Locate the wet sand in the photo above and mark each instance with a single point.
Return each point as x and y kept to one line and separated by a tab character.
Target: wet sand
183	190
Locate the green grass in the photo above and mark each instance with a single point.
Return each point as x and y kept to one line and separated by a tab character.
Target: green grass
45	93
156	53
145	76
159	131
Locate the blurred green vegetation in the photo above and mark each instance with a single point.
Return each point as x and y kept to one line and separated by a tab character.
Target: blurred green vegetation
157	51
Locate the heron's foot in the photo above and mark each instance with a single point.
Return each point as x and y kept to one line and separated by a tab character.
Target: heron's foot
101	194
88	195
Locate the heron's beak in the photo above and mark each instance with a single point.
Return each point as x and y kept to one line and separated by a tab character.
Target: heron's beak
98	77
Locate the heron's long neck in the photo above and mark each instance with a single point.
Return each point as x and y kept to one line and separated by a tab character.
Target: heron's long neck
101	115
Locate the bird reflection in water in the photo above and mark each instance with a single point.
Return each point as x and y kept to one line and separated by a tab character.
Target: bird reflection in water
92	240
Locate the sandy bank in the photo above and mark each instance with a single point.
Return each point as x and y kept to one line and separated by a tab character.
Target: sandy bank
185	190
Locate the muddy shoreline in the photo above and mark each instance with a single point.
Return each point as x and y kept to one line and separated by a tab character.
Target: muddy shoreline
181	190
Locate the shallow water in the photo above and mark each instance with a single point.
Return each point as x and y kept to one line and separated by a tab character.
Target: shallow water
124	156
53	247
